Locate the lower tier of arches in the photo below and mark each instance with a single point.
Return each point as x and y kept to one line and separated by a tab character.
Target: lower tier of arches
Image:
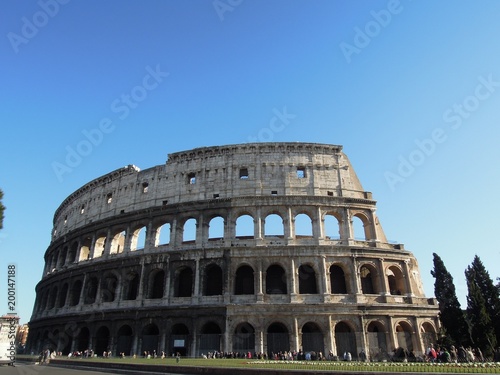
251	331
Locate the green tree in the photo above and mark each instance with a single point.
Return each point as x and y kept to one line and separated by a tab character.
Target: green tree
488	290
482	331
2	209
450	313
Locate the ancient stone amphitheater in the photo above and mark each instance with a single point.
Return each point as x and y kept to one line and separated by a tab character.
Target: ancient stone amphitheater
259	247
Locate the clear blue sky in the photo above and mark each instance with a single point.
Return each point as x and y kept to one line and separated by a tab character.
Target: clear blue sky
410	89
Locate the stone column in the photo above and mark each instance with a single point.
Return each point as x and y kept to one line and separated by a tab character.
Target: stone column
318	225
384	287
323	284
289	228
330	345
258	223
260	282
140	292
356	281
296	339
196	293
407	277
293	278
418	345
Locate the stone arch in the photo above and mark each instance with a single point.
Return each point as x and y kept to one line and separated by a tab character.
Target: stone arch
91	290
338	284
213	283
76	290
361	226
85	249
244	280
244	226
303	225
179	339
210	337
52	298
189	230
83	339
162	234
244	338
156	284
345	339
276	280
99	245
404	334
102	340
183	283
376	333
278	339
307	279
428	334
150	334
124	339
332	224
63	295
118	242
138	238
274	225
395	280
109	285
216	228
368	277
131	285
61	261
312	338
72	252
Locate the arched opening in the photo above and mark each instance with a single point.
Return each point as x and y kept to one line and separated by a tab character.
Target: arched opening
278	339
76	290
345	339
101	343
244	338
117	243
52	298
189	231
124	340
156	284
150	339
331	227
244	227
61	261
428	333
307	280
179	339
63	296
131	286
163	235
85	249
99	246
213	283
312	338
244	281
404	333
360	228
183	286
53	262
395	280
337	280
303	226
108	288
377	341
276	280
274	226
367	275
138	240
210	338
83	340
91	291
72	253
216	228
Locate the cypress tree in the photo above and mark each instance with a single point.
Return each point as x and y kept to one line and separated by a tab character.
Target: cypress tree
482	331
2	209
450	313
489	292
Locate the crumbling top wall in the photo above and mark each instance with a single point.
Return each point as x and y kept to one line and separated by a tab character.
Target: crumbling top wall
251	169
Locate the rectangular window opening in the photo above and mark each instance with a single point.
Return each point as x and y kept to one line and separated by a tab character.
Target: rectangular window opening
329	193
243	173
274	192
216	196
109	198
301	172
191	178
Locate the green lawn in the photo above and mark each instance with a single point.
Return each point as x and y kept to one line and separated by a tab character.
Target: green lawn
483	368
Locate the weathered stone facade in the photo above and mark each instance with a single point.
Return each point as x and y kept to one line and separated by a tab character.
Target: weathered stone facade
122	274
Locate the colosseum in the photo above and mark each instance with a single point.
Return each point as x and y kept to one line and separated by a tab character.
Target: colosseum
246	248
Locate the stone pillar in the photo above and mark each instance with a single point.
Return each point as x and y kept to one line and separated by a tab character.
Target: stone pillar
323	284
258	224
140	292
84	284
107	243
384	287
330	344
260	282
196	294
362	336
356	280
296	339
346	227
418	345
175	233
293	278
289	225
407	277
393	341
200	231
128	240
318	224
259	340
